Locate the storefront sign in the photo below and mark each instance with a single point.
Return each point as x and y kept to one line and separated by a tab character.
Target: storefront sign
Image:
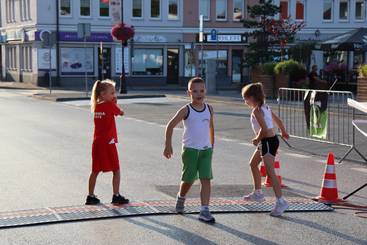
43	59
118	60
115	11
76	61
73	37
15	35
150	39
226	38
2	38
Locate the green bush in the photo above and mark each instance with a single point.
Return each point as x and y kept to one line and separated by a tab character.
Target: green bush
295	70
363	70
268	68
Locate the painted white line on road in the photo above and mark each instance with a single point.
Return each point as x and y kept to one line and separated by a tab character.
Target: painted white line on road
129	101
296	155
363	170
228	140
246	144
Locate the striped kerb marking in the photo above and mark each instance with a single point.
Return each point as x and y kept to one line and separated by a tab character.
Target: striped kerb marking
49	215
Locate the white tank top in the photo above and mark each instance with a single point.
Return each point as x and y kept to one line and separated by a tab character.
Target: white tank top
196	128
267	117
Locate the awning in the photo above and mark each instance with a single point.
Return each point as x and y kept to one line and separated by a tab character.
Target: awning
350	41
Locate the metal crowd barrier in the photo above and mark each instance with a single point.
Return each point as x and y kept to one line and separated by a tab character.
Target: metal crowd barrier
340	130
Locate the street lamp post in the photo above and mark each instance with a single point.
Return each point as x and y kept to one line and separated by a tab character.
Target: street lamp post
123	87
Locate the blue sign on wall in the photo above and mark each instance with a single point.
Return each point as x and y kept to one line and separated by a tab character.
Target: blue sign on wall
213	34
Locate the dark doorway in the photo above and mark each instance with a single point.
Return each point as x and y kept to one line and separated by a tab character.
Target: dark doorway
172	66
104	64
1	64
237	66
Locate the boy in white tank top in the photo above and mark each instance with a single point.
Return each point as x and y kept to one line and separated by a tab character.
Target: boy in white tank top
197	141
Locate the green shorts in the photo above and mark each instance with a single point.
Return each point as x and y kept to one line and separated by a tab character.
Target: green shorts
196	162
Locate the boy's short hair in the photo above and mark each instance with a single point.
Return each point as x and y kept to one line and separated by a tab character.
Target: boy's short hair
195	80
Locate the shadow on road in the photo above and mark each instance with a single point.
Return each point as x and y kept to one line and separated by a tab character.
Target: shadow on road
322	228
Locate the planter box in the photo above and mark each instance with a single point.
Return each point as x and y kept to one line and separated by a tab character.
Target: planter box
266	80
362	89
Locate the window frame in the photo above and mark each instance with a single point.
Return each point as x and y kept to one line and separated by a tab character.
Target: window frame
90	9
160	11
71	10
226	11
178	10
145	75
304	10
348	11
242	10
209	8
142	9
331	11
288	12
363	10
99	10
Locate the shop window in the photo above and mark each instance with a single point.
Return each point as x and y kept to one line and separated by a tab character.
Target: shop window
221	59
155	9
137	8
221	9
26	52
11	58
84	7
204	7
173	9
148	62
104	8
10	11
300	10
328	10
360	10
283	9
343	9
65	7
190	70
238	6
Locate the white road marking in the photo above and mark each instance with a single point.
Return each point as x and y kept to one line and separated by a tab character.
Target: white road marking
246	144
129	101
296	155
363	170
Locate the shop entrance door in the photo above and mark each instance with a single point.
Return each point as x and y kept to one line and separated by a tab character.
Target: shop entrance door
104	64
172	66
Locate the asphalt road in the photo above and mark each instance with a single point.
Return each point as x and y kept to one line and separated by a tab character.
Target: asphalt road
45	161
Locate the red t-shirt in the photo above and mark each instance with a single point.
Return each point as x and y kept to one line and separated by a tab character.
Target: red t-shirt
104	122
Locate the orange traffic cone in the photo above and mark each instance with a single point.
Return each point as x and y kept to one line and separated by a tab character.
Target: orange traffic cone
268	181
262	170
329	191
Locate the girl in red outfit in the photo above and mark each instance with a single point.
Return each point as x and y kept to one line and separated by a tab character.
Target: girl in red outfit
104	152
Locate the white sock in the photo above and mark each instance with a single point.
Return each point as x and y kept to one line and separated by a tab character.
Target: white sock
178	195
258	192
204	208
280	200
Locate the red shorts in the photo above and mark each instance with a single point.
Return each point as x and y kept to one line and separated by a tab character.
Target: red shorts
104	157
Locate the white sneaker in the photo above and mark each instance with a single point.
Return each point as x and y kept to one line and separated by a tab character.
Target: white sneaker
254	197
279	208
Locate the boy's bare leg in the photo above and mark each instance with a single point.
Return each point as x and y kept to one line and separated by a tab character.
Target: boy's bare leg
92	182
205	192
184	188
116	182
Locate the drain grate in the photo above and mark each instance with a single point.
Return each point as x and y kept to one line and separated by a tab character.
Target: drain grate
79	213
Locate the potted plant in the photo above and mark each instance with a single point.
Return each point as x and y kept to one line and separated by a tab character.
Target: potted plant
290	73
362	84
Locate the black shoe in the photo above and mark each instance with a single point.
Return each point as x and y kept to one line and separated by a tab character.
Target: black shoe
119	200
92	200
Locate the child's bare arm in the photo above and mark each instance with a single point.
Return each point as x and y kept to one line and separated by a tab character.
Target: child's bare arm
180	115
212	131
280	124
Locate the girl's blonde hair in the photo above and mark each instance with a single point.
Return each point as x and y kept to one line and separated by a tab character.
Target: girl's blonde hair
255	90
98	88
